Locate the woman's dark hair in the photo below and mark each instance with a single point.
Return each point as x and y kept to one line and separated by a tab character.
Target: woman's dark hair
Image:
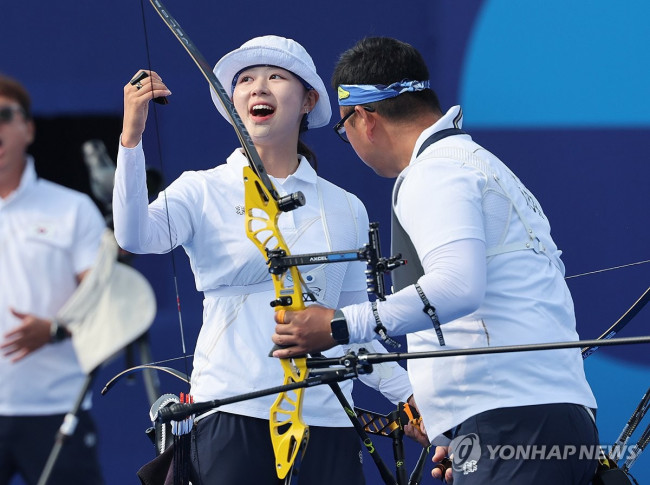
303	149
383	60
12	89
306	152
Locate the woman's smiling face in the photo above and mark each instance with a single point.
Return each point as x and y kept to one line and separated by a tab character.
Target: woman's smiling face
271	102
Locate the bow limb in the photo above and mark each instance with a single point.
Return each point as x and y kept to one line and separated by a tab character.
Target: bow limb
260	194
636	307
182	376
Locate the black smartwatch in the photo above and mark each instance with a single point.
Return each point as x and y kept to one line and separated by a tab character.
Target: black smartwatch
339	328
58	332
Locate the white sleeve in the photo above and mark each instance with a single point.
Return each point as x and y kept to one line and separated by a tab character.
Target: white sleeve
140	228
88	231
389	378
440	208
454	283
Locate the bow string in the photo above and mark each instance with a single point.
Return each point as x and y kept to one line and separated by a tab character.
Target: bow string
263	207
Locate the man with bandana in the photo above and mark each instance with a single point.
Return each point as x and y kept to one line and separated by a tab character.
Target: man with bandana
482	271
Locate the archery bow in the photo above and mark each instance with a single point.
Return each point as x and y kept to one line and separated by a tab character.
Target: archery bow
261	196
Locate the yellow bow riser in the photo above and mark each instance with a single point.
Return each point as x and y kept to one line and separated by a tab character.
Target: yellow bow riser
289	434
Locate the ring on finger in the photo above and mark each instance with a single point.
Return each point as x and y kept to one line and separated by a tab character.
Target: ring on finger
281	315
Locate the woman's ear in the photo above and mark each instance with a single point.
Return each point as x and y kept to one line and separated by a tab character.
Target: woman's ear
311	100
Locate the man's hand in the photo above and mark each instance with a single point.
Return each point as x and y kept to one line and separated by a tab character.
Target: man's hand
30	335
416	430
303	332
438	456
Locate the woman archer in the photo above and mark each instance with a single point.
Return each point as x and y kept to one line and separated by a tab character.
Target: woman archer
278	94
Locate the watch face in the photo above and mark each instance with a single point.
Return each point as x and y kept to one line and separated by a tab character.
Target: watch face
340	331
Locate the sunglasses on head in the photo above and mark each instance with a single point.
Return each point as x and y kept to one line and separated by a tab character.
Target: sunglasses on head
7	113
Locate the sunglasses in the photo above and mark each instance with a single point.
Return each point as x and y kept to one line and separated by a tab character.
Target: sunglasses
7	113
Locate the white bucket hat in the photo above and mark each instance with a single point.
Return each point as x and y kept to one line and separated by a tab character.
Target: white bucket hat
274	51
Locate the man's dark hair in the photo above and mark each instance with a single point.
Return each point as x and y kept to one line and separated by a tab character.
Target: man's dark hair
383	60
12	89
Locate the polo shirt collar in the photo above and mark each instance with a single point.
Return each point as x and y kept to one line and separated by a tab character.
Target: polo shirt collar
451	119
305	172
27	180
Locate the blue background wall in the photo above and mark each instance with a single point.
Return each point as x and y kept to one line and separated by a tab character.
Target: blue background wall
557	89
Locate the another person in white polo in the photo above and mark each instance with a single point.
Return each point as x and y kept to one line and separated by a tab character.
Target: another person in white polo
49	239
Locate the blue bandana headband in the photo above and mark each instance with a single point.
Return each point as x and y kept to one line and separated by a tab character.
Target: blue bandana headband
355	94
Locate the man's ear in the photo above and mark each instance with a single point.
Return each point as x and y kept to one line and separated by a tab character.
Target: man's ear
31	131
369	121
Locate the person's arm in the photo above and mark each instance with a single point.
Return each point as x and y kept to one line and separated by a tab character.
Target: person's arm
440	208
141	227
30	334
389	378
455	289
454	284
33	332
138	229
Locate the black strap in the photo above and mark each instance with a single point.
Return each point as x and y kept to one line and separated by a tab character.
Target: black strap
400	241
381	330
433	315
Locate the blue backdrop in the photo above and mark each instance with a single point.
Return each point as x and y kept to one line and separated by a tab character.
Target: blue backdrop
557	89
